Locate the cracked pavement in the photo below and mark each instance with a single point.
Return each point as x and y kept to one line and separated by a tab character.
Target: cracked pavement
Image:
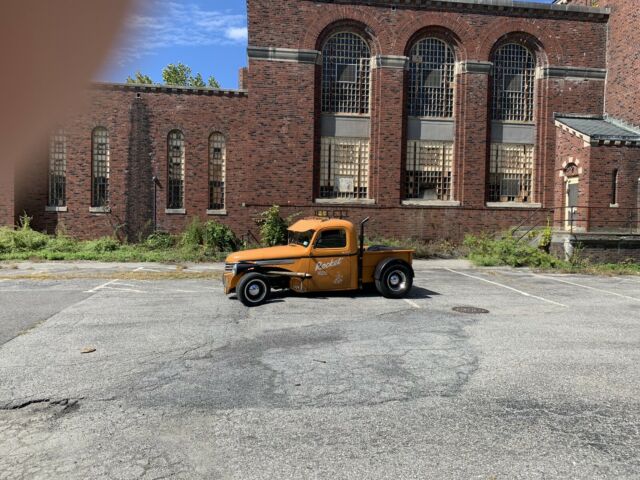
185	383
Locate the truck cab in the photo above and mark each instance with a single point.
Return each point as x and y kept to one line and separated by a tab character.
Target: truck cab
321	255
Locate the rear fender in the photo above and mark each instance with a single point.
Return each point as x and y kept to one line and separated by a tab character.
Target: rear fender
390	261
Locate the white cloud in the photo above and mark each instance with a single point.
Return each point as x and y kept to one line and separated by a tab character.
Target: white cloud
165	23
237	33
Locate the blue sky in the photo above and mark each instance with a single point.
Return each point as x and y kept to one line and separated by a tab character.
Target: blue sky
208	35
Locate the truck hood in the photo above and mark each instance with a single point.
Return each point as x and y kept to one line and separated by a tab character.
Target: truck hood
283	252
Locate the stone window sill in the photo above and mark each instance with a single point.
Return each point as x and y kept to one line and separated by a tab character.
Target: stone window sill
99	209
430	203
216	212
521	205
345	201
56	209
175	211
614	205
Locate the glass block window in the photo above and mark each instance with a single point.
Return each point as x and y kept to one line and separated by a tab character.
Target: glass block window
346	63
344	167
175	177
100	168
431	66
58	169
511	173
429	170
514	70
217	164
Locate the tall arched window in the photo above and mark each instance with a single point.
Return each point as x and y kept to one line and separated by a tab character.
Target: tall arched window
346	60
431	65
217	166
511	164
430	95
514	70
614	187
100	168
175	174
58	169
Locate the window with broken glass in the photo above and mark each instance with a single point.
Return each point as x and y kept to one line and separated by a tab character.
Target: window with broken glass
346	60
217	164
344	167
431	68
513	83
175	182
100	168
511	173
429	170
58	169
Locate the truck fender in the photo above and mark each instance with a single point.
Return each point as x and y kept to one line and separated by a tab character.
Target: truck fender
389	261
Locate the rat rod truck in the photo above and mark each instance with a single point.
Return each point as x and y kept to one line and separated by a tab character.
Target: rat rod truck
322	255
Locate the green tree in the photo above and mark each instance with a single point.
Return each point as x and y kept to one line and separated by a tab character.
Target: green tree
178	74
197	81
140	78
213	83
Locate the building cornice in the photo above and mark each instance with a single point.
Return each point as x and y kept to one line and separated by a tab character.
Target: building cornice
277	54
579	73
495	7
146	88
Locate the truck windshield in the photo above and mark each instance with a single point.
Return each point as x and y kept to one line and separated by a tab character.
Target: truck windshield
300	238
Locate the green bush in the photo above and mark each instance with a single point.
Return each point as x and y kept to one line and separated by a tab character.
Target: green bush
489	252
102	245
192	237
160	241
273	228
218	237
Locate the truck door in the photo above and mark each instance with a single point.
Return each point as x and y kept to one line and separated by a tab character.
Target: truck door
330	261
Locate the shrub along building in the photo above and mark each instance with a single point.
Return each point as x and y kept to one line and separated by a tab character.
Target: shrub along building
436	118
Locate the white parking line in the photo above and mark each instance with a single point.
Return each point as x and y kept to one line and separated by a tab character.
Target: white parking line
588	287
123	289
100	287
508	288
412	303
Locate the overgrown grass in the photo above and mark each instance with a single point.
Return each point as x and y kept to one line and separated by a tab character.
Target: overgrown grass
200	242
509	251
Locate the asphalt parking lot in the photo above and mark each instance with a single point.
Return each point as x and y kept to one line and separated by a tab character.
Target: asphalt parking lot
185	383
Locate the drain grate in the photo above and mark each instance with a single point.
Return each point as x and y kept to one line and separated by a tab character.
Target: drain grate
472	310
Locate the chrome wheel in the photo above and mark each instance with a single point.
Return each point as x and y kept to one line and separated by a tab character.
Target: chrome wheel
397	281
256	290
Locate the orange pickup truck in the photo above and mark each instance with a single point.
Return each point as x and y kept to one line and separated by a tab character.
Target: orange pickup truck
322	255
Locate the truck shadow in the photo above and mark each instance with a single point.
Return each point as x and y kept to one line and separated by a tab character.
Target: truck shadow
281	295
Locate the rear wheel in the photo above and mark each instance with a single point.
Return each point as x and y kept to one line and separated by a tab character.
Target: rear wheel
395	281
253	289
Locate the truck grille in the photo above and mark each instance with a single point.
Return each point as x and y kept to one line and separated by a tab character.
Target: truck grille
228	267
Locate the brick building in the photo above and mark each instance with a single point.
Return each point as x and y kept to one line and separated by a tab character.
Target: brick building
434	117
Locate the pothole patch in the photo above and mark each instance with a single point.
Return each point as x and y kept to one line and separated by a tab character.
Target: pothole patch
470	310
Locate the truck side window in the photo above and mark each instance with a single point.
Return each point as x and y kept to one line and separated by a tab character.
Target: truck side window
332	239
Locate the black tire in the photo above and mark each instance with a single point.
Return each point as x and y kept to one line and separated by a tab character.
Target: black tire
253	289
395	280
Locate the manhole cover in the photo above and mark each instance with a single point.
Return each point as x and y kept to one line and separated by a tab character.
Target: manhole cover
473	310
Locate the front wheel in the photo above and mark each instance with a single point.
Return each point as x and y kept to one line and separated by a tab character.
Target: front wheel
253	289
395	281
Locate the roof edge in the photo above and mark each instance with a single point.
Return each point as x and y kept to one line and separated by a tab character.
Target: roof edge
157	88
492	6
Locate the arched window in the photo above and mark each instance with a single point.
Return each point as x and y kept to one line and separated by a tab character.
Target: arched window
58	169
175	174
346	60
513	83
614	187
431	66
100	168
217	166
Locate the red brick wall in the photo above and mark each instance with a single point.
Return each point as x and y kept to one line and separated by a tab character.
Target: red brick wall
7	209
623	96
